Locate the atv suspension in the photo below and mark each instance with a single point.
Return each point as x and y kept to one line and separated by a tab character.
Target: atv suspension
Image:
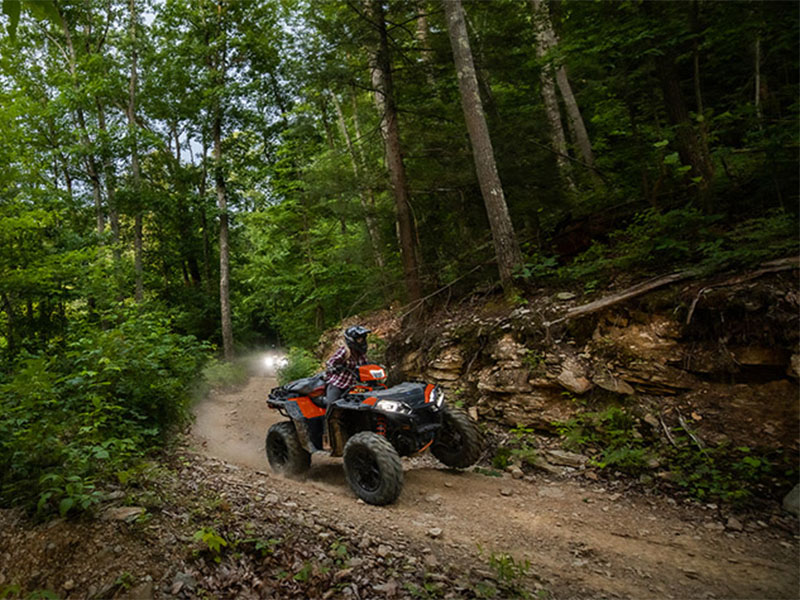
380	426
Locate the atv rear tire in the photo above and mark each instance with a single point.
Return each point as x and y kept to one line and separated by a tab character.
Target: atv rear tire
284	452
459	443
373	468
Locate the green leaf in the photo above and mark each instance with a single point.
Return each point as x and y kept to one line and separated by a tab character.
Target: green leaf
44	10
12	9
65	505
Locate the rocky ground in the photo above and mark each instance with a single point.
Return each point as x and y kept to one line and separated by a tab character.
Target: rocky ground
212	522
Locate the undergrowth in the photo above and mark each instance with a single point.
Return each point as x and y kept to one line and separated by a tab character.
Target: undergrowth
90	406
685	238
739	475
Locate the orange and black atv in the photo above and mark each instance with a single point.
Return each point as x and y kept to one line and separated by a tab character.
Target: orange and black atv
371	426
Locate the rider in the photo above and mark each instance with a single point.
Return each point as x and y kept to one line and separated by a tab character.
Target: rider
341	366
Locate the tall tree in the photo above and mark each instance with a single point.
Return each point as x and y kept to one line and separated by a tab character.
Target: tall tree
543	26
217	65
506	247
135	169
366	194
381	71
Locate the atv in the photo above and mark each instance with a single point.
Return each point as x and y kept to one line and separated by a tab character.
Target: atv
371	427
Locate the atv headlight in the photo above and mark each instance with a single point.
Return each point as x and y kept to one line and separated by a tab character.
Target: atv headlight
393	406
439	399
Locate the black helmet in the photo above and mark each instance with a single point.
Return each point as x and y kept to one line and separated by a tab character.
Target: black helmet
356	338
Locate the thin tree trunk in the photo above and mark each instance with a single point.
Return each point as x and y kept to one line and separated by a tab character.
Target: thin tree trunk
544	27
135	171
558	141
385	101
757	99
110	178
506	247
91	167
423	40
224	251
342	206
11	321
698	94
203	219
218	77
372	226
690	147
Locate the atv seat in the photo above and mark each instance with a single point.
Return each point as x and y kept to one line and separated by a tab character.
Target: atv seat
306	386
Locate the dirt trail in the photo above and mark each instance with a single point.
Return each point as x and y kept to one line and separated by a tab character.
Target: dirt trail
577	535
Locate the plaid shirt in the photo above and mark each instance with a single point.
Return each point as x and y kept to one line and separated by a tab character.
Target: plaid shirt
343	379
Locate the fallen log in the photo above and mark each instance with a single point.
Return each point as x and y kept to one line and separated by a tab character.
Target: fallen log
627	294
773	266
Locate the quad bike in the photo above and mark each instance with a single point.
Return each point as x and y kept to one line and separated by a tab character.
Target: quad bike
371	427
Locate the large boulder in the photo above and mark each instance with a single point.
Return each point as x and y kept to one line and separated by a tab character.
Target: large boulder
573	377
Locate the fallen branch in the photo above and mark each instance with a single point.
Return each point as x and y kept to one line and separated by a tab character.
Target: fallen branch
667	432
691	434
631	292
773	266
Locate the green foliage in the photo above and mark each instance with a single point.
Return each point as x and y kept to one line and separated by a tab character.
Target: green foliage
721	472
534	360
657	242
212	542
13	591
510	575
613	433
732	474
300	363
487	472
520	449
90	407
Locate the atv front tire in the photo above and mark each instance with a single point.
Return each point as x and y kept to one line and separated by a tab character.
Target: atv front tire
373	468
284	452
458	443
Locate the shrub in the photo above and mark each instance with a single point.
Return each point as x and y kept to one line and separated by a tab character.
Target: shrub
91	405
299	363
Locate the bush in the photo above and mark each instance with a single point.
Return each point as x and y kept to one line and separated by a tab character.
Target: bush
300	363
90	406
684	238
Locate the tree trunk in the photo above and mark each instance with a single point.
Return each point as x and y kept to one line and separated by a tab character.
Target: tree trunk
558	141
423	40
385	101
505	242
204	219
698	93
218	77
110	178
224	251
690	146
10	322
135	171
91	167
372	226
544	28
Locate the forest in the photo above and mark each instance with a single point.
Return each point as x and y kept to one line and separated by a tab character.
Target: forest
183	181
